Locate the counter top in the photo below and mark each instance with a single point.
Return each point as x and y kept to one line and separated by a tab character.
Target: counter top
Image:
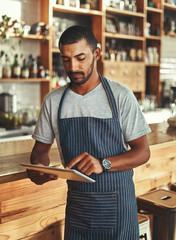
161	133
11	169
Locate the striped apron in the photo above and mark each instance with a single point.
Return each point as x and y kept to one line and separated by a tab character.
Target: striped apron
106	209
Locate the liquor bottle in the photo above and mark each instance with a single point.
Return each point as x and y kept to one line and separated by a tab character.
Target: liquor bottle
29	63
33	70
25	70
16	68
1	62
40	68
6	71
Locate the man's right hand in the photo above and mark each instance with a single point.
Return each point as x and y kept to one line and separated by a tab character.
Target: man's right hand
40	178
39	156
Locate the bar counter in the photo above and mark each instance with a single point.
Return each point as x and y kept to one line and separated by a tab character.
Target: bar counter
29	211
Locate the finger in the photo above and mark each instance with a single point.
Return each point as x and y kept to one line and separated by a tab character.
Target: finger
53	177
77	159
89	171
40	173
85	167
83	162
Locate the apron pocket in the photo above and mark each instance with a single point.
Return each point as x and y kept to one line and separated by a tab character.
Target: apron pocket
92	210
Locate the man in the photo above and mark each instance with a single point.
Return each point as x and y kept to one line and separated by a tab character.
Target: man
93	120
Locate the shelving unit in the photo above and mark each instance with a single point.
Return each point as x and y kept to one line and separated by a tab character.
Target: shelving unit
146	79
45	41
129	73
154	16
171	9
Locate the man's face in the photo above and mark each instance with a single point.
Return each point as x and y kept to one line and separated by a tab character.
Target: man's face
78	61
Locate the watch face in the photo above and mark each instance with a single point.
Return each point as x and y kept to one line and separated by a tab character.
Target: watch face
106	164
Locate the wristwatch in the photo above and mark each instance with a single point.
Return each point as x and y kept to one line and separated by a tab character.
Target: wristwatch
106	164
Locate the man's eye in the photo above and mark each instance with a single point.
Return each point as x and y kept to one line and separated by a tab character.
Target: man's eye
81	59
65	60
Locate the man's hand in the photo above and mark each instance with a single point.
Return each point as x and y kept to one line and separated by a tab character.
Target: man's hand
86	164
40	178
40	156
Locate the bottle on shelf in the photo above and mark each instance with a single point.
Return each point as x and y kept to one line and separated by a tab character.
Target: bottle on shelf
1	62
40	68
29	63
7	71
33	70
16	68
25	70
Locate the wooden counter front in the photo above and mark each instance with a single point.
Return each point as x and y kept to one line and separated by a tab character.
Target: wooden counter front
32	212
29	211
160	170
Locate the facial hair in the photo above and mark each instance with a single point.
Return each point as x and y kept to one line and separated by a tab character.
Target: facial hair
84	79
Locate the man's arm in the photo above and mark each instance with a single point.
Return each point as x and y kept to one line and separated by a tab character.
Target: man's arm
40	153
40	156
136	156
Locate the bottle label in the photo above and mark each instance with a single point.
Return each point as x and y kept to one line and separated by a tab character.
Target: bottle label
25	73
6	72
17	71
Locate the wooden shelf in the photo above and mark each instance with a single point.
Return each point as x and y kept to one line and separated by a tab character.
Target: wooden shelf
169	34
152	37
55	50
123	36
154	10
81	11
169	6
124	12
37	37
152	65
116	62
24	80
30	36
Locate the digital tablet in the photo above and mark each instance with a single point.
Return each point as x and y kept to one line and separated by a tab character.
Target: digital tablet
70	174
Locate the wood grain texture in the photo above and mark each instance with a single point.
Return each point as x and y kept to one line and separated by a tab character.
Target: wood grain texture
159	171
32	224
56	232
29	204
15	189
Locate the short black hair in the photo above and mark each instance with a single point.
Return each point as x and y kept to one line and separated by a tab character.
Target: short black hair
76	33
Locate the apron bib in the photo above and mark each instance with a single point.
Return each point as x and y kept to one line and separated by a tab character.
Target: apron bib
106	209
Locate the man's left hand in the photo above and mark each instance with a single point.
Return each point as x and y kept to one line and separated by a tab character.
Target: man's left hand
86	164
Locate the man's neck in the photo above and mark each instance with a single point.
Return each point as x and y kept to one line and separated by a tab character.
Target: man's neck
83	89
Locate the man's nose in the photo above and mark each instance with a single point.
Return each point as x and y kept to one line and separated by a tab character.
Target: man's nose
73	65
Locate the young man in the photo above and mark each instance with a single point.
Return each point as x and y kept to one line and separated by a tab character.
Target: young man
93	120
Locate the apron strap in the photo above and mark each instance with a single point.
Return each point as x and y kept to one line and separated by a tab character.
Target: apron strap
61	102
109	94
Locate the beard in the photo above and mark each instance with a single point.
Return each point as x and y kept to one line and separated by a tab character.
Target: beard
84	77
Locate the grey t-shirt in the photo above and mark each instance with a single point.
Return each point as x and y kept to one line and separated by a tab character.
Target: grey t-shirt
93	104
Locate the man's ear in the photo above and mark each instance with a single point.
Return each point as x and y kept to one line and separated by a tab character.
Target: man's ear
97	53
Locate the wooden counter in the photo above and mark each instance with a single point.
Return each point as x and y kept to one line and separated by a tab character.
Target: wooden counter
160	170
161	133
29	211
32	212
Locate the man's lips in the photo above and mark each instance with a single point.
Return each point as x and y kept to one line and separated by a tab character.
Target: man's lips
75	74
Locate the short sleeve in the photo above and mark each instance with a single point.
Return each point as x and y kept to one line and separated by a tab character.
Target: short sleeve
44	131
132	121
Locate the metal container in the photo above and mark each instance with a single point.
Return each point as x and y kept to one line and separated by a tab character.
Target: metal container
8	103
